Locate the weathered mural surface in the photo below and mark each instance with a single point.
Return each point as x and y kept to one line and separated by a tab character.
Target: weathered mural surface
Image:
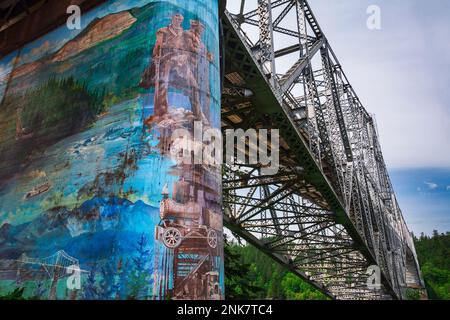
88	184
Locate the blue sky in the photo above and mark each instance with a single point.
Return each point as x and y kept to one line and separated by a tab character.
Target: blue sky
58	37
401	74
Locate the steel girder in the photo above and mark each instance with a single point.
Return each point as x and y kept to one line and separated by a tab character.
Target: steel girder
331	211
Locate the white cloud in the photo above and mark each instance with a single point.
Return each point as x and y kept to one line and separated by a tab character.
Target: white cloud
448	188
432	185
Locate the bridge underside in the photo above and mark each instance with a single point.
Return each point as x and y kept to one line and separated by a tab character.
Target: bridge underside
330	211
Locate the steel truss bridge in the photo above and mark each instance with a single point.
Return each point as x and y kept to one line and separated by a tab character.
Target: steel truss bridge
330	212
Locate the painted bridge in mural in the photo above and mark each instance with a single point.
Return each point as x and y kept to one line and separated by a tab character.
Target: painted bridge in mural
331	211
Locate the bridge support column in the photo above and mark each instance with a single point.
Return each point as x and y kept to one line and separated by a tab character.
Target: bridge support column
184	72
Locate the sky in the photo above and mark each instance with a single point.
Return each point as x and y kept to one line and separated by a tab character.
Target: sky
401	74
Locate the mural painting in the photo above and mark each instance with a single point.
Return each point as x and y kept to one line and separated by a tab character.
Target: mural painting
88	182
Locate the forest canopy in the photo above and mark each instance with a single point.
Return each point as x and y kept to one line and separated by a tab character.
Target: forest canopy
434	258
